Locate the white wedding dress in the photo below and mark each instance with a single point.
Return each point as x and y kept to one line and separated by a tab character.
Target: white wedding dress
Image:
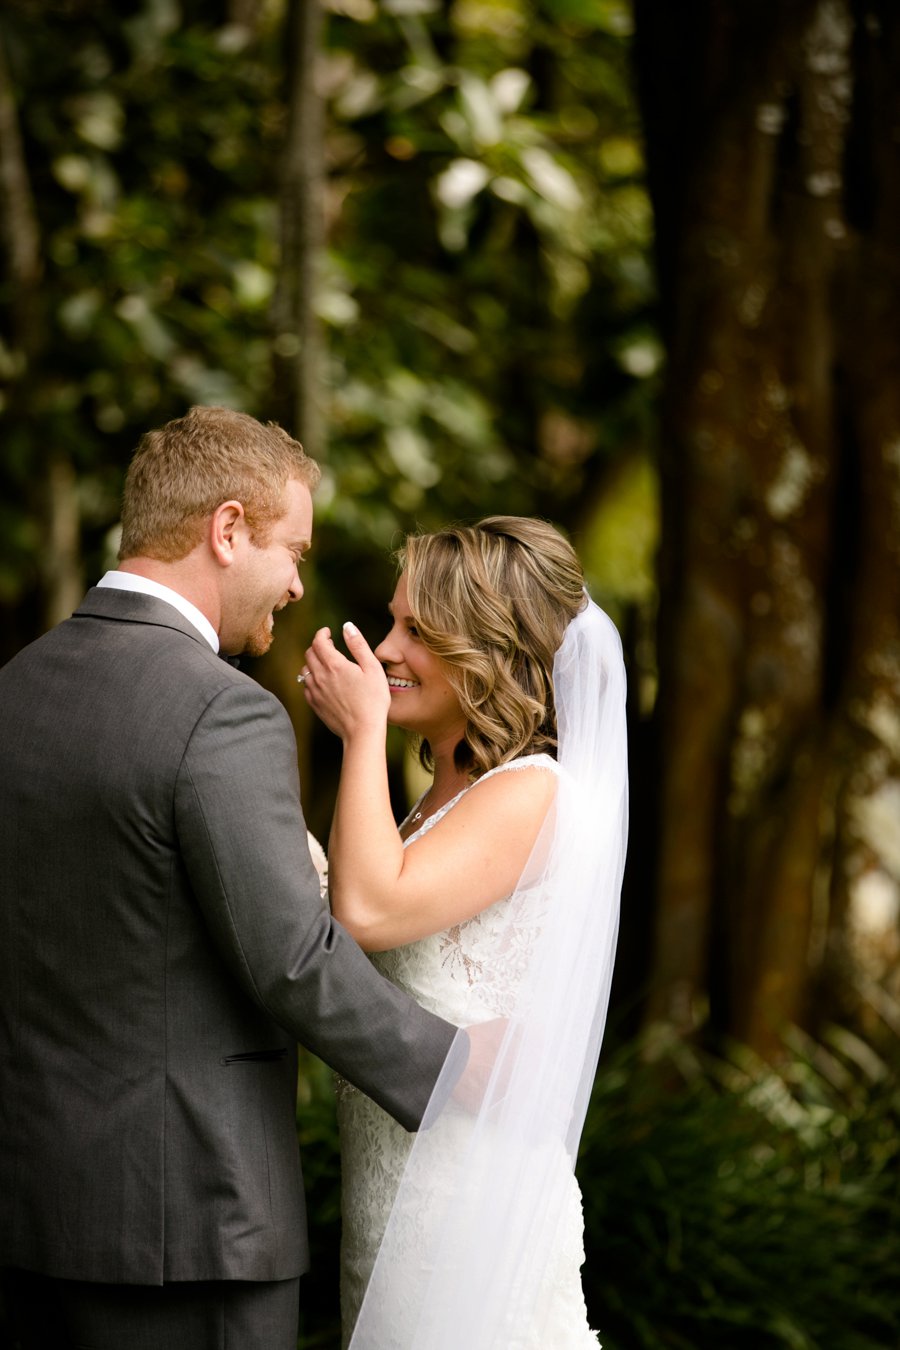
469	973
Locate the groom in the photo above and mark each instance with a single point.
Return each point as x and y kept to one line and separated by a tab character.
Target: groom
162	940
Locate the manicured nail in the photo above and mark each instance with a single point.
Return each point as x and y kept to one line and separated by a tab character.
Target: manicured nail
350	629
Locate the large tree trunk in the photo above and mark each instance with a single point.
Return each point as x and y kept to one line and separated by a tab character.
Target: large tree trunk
747	113
864	934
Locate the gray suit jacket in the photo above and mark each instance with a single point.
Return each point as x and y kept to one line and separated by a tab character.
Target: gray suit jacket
162	947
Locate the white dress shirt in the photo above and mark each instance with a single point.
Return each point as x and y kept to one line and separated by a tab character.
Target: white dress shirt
129	581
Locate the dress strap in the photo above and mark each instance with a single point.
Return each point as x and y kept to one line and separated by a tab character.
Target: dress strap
540	761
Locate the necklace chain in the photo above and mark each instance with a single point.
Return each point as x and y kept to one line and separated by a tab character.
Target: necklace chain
422	807
425	810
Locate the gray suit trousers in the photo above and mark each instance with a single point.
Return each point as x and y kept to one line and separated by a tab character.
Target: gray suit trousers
51	1314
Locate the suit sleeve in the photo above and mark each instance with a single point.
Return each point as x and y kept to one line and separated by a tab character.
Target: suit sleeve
243	841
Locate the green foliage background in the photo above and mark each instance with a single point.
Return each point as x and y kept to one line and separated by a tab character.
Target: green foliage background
486	297
488	313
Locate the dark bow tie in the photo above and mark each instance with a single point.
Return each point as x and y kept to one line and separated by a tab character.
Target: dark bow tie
231	660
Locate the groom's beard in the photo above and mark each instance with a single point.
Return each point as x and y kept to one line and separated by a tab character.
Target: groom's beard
260	639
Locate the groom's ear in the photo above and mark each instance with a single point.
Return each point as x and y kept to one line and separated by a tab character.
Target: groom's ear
226	526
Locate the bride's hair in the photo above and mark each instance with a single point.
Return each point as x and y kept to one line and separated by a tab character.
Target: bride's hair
493	601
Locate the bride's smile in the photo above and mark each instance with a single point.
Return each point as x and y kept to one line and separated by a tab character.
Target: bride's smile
422	698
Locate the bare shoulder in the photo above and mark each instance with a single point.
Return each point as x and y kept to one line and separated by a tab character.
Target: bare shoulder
486	840
521	787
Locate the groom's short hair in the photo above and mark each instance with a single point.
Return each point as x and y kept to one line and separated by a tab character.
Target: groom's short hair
183	471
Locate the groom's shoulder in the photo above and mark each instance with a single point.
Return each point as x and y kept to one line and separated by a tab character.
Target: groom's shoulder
118	641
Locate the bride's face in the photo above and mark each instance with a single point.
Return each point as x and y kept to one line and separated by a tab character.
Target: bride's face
422	699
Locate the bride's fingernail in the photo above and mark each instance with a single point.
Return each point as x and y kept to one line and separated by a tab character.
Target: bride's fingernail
350	629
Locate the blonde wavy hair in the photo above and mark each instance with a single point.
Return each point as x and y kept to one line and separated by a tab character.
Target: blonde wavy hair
183	471
492	601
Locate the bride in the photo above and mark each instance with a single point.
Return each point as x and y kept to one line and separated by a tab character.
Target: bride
496	899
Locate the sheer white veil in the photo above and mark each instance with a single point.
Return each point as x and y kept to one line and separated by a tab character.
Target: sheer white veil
487	1191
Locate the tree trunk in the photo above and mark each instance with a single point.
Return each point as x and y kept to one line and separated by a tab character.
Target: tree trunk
864	936
297	342
21	236
62	574
747	115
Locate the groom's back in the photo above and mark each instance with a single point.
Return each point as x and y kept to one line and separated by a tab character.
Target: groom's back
114	1003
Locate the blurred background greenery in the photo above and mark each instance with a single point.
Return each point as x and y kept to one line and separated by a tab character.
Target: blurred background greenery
634	267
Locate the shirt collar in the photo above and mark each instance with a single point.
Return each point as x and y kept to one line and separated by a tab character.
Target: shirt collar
130	581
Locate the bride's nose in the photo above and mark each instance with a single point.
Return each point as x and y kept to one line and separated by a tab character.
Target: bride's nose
386	651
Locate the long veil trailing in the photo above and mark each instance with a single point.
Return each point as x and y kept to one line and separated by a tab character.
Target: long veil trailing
486	1192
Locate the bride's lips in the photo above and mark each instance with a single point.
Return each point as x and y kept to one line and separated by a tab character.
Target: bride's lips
398	685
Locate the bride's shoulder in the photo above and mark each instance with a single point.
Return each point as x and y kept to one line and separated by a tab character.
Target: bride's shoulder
517	783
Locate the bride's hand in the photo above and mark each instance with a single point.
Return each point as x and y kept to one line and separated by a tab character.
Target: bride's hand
349	696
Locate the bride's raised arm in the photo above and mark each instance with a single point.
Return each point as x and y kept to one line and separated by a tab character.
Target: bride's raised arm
384	894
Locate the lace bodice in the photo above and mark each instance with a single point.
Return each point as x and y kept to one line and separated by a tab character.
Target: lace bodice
468	973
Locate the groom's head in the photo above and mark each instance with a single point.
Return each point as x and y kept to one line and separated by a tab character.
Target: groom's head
219	507
181	473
